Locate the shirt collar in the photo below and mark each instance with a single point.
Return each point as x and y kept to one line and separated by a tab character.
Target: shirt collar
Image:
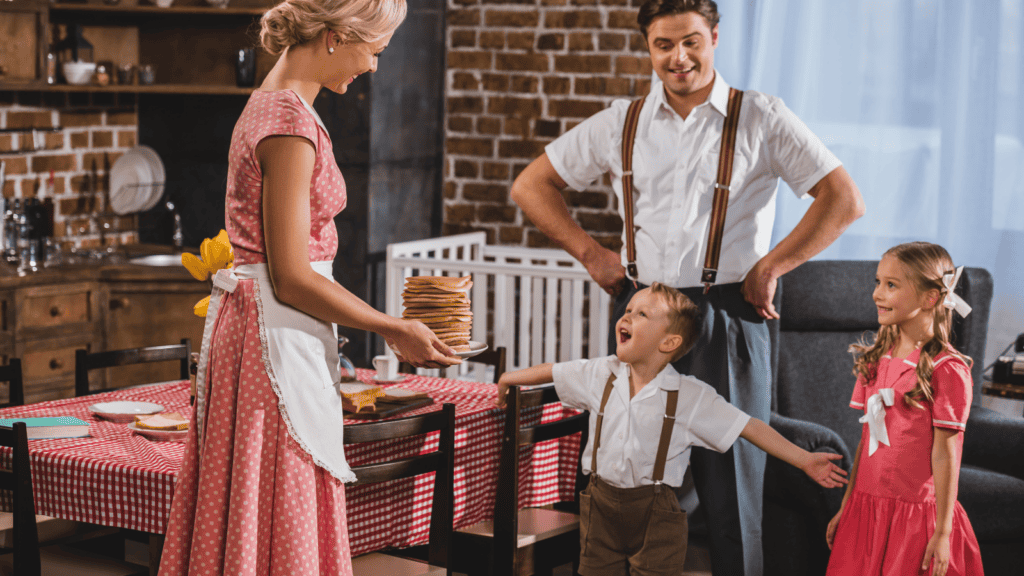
718	99
667	379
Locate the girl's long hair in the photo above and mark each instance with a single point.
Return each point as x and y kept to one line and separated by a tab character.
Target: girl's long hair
925	264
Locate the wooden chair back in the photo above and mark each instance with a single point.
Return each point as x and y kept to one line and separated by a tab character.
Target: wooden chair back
86	361
441	462
516	435
18	480
11	373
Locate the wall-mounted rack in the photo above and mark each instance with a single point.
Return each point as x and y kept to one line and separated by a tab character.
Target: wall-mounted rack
37	143
52	129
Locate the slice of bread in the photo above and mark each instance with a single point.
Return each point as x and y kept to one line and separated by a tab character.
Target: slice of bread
402	395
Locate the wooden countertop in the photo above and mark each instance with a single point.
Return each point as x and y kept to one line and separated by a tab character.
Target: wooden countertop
101	271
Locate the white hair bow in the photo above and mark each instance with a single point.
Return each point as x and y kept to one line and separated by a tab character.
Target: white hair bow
875	417
953	300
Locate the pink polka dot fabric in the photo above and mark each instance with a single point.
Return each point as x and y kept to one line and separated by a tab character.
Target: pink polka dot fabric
277	113
249	501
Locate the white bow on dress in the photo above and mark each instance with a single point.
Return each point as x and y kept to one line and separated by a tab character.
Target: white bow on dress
875	417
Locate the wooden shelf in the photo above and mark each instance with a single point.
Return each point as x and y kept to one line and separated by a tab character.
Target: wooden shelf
138	89
173	10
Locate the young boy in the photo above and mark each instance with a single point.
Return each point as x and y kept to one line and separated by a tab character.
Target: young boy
651	416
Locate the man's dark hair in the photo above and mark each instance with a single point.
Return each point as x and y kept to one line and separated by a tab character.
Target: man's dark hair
652	9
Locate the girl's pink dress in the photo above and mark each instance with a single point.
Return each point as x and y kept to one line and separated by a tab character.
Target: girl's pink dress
890	515
248	499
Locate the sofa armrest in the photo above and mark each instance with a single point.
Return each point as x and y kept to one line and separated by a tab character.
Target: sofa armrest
790	487
994	442
811	437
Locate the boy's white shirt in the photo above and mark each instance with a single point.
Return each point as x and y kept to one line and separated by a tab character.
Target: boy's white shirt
632	427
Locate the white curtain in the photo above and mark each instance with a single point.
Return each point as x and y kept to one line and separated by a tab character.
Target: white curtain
922	102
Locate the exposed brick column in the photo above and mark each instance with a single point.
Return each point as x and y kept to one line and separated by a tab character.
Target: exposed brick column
520	73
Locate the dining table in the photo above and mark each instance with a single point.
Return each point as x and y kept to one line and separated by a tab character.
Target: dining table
119	478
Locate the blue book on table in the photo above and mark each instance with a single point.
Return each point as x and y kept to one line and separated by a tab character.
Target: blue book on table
53	427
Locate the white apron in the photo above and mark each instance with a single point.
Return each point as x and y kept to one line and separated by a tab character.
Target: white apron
300	354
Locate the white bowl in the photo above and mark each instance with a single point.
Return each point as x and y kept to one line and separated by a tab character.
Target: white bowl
79	73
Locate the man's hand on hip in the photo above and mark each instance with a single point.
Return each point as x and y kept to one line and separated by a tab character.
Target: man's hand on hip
605	267
759	289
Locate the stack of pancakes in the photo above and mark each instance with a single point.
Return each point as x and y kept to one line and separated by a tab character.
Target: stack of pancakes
442	303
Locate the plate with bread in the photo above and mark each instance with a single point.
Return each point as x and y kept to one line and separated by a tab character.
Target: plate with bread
368	401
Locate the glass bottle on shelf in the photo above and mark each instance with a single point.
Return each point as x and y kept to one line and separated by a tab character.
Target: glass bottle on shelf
348	370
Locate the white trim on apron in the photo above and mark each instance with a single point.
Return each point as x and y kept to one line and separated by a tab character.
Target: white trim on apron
300	355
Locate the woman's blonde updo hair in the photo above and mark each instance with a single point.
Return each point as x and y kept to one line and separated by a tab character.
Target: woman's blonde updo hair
294	22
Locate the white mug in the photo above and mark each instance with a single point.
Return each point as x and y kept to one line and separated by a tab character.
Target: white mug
386	366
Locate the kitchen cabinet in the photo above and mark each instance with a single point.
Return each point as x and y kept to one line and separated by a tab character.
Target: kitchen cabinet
46	317
23	43
51	321
147	312
191	46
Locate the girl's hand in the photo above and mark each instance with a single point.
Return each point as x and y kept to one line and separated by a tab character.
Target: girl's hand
416	344
830	532
937	550
819	467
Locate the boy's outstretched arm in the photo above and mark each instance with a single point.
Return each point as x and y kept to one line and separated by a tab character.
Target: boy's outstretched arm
539	374
817	465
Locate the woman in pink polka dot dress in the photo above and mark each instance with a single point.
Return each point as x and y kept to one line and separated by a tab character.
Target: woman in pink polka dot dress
260	491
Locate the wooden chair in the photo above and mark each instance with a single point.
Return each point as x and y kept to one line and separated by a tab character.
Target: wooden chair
86	361
532	540
441	462
495	357
48	528
24	556
11	373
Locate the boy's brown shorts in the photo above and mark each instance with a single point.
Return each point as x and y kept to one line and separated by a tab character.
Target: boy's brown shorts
631	531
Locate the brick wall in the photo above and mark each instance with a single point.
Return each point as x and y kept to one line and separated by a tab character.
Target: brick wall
520	73
89	136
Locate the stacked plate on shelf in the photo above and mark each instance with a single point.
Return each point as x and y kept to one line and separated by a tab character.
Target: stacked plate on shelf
136	181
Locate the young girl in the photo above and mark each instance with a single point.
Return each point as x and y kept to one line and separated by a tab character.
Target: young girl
900	514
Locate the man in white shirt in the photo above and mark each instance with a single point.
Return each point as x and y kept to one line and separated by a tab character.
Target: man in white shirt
674	163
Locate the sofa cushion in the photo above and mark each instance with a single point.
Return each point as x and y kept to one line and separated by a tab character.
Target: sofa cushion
816	380
830	295
993	503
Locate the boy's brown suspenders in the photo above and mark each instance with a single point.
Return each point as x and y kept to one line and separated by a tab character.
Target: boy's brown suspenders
666	431
719	205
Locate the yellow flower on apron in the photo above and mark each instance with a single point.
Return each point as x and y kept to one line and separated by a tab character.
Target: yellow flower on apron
214	254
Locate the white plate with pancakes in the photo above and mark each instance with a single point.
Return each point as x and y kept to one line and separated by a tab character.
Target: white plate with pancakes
474	349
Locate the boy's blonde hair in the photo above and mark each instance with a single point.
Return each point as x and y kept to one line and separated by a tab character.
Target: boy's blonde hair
683	317
925	264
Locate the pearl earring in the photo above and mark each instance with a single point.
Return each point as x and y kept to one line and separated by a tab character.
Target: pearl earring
330	50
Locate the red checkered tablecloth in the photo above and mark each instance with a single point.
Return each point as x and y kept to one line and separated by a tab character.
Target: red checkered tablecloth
117	478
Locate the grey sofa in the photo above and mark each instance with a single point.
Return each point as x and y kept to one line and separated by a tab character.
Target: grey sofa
826	306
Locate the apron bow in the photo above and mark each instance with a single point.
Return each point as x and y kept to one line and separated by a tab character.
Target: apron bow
875	418
225	279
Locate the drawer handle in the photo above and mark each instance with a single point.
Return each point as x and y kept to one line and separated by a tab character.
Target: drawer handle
120	304
56	364
56	311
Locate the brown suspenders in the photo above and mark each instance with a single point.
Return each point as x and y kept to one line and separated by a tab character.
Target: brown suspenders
720	203
666	430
